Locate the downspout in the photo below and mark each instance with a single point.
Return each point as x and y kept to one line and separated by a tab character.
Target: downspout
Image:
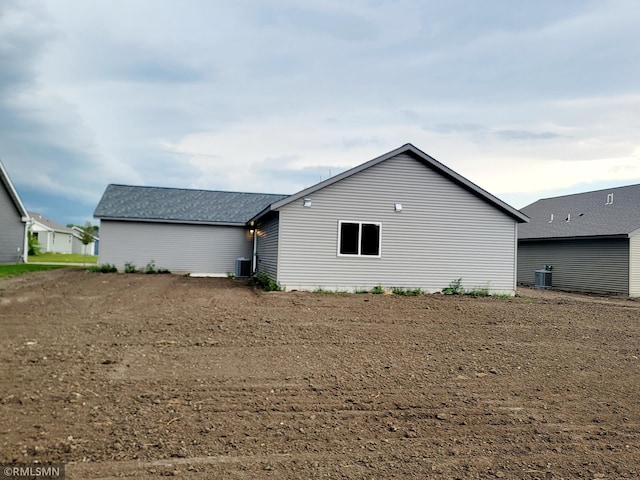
254	256
25	246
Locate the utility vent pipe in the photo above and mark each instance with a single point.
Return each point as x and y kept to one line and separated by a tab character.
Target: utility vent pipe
609	199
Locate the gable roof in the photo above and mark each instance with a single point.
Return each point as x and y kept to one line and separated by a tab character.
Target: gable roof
418	155
177	205
49	224
4	179
608	212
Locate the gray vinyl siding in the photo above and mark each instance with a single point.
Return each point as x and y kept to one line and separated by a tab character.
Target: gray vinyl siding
12	229
268	247
444	232
180	248
634	265
589	265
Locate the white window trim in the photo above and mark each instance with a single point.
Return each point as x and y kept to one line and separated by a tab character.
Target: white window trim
360	223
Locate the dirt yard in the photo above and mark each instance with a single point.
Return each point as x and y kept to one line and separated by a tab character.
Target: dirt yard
143	376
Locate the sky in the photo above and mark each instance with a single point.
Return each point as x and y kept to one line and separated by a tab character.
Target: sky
528	99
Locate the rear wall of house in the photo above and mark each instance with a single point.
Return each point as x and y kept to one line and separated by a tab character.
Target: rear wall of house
598	266
177	247
443	233
12	229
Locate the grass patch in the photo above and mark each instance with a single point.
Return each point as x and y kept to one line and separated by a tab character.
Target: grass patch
326	291
407	292
63	258
19	268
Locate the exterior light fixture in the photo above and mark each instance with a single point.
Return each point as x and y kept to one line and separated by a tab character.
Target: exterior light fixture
306	202
397	207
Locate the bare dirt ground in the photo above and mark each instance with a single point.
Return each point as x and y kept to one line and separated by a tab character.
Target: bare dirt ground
142	376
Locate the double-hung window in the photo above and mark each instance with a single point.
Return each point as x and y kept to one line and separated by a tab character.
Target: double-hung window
359	238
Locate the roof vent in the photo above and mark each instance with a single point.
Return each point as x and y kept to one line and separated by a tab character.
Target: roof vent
551	219
568	219
609	199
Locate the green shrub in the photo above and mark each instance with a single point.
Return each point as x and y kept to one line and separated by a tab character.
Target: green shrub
377	290
33	245
454	288
268	284
150	268
103	268
129	267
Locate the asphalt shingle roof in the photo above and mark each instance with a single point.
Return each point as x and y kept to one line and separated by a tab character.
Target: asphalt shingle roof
50	224
612	211
181	205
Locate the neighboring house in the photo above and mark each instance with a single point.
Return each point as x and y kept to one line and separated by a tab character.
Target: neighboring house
399	220
55	238
590	240
90	248
13	222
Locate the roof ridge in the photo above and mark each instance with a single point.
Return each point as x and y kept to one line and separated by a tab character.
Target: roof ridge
609	189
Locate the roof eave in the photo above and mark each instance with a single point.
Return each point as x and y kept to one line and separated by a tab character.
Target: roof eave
576	237
172	221
13	193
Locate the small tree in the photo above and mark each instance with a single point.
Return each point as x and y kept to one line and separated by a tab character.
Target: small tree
86	237
32	243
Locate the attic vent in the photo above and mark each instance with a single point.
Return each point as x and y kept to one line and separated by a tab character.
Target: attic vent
609	199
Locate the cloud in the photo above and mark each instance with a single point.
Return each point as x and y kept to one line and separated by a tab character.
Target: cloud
525	135
270	97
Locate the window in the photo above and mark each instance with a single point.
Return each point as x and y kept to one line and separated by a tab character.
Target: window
359	238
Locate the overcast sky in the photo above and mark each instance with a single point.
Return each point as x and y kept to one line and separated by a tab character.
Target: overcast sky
528	98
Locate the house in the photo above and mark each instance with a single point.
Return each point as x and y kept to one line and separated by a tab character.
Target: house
78	247
53	237
591	241
400	220
13	222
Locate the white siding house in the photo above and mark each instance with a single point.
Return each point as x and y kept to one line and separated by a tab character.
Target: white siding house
400	220
13	222
51	236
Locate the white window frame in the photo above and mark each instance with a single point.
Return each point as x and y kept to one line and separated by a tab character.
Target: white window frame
359	254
